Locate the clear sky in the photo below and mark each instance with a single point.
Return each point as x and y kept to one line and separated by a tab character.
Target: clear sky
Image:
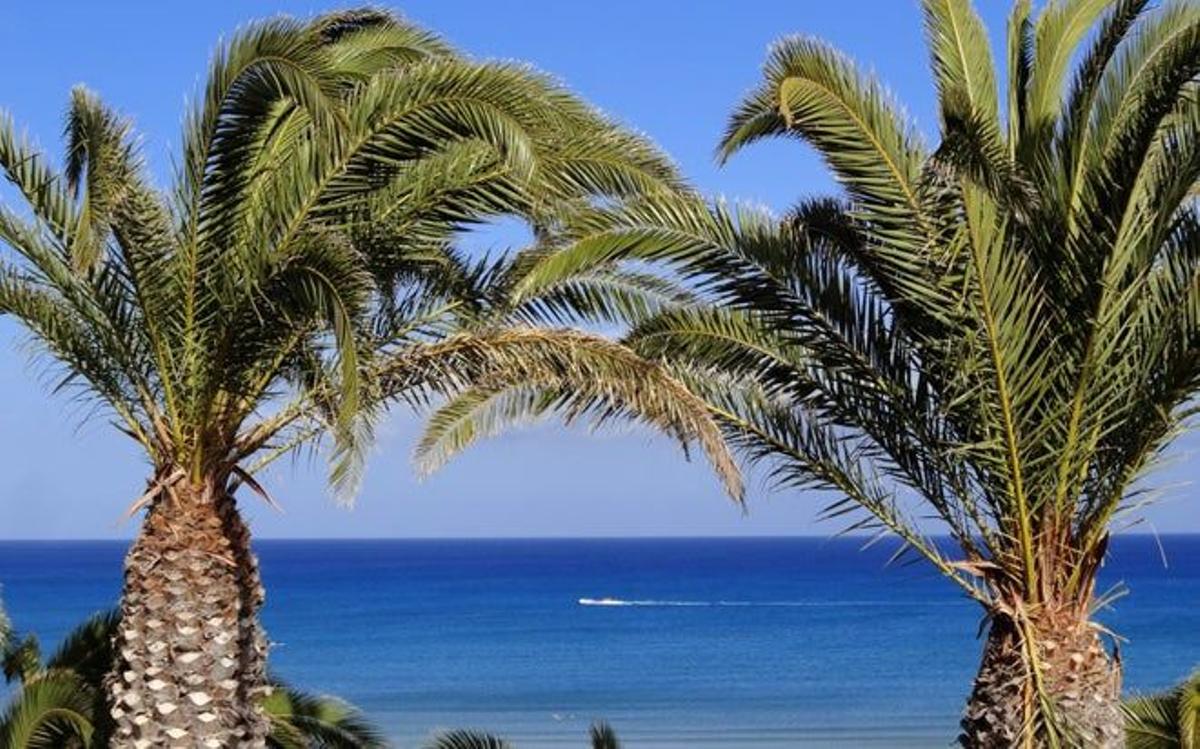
670	68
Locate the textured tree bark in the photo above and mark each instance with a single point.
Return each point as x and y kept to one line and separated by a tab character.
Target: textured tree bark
190	651
1082	679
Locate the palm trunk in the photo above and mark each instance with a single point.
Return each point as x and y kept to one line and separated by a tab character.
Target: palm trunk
190	651
1079	676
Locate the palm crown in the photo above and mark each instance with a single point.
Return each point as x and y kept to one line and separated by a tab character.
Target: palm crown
292	279
1001	329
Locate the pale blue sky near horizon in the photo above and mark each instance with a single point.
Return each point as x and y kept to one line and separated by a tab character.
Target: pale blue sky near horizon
673	70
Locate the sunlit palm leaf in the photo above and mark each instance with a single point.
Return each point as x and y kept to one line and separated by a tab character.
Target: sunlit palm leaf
584	375
300	721
52	711
1170	720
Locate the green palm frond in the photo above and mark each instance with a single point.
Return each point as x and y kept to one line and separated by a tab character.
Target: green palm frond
476	414
44	190
52	711
87	649
604	737
1059	29
1170	720
813	92
577	374
301	721
1075	137
464	739
962	59
601	295
366	41
22	660
102	166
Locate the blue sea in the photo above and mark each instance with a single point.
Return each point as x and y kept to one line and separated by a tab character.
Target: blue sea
757	643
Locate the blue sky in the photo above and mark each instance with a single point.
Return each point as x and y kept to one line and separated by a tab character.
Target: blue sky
671	69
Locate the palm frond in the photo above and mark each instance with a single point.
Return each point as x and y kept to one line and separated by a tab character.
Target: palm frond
1169	720
87	649
603	736
1058	31
302	721
22	660
52	711
813	92
44	190
962	59
475	414
464	739
101	163
587	374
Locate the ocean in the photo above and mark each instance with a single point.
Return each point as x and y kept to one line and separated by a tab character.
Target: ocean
718	643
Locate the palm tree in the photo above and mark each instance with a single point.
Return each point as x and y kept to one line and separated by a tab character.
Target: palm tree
1001	332
1170	720
300	275
60	704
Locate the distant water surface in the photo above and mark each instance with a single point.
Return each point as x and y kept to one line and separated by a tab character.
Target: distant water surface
721	643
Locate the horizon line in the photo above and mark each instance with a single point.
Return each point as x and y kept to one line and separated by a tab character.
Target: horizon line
702	537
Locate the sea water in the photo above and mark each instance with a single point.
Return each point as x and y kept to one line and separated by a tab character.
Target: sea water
758	643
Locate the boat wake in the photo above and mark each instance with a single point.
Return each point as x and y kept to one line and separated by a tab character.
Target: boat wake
620	602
